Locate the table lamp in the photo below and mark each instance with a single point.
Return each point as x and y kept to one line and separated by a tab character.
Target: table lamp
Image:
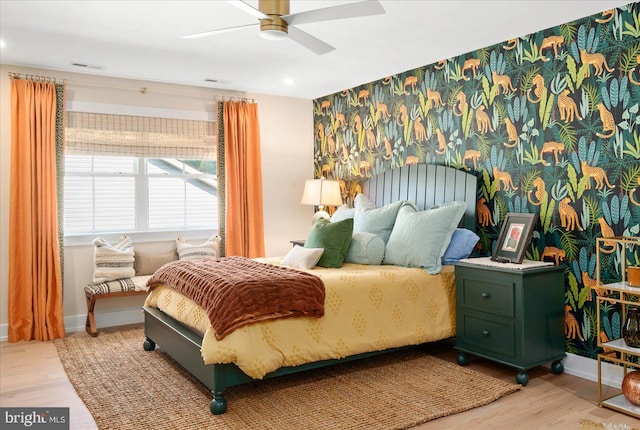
321	193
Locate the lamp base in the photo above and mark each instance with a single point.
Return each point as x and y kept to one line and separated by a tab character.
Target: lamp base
320	214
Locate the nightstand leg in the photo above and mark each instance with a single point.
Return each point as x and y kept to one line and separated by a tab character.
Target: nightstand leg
522	378
462	359
557	367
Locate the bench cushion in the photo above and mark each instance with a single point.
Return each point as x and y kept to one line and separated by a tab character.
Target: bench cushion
137	283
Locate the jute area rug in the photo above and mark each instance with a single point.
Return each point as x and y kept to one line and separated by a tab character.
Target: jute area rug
125	387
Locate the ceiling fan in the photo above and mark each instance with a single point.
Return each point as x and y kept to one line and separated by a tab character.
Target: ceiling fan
276	22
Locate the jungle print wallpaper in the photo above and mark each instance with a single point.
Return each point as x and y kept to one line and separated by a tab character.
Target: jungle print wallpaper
549	122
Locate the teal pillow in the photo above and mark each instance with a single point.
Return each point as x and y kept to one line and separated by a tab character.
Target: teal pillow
371	219
420	238
334	237
365	248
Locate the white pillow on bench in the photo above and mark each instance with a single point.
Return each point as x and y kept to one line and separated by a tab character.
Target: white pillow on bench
113	262
209	249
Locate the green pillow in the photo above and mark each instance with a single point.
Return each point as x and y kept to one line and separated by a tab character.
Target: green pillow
334	237
420	238
371	219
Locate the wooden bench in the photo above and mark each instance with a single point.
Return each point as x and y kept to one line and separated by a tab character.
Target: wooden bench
118	288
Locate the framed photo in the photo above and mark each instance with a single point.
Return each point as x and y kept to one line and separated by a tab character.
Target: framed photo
514	237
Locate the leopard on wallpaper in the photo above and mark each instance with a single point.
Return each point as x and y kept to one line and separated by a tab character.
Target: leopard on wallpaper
549	122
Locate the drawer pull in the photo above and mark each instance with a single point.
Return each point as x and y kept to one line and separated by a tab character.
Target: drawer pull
485	295
485	332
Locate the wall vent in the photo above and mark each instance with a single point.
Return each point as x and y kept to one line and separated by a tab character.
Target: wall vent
216	81
87	66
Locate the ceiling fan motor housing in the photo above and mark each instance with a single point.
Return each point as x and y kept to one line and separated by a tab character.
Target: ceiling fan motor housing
275	27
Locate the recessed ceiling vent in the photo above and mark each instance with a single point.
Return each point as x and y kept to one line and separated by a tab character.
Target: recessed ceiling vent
87	66
217	81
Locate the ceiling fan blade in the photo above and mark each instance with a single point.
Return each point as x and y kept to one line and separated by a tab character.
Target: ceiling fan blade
351	10
219	31
308	41
248	9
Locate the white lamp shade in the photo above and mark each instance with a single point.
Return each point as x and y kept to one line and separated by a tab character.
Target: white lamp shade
321	192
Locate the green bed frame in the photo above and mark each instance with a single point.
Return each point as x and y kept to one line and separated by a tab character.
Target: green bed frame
424	185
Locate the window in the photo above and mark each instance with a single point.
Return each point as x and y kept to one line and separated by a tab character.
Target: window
117	194
133	179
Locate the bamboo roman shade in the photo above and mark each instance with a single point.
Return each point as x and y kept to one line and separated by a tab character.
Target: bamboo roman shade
139	136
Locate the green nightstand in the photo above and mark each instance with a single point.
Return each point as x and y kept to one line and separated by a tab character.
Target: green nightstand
514	317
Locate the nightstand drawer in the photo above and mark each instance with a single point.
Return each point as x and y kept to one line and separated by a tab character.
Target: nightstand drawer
489	335
489	295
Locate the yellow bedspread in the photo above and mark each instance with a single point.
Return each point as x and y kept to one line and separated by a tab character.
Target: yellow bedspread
367	308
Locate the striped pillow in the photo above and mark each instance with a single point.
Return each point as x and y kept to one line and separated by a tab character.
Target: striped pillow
113	261
208	250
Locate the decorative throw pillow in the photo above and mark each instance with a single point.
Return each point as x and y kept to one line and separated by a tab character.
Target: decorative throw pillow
343	212
334	237
208	250
461	246
302	258
147	263
420	238
113	262
371	219
365	248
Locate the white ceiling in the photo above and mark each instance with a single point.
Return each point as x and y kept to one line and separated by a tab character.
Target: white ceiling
142	39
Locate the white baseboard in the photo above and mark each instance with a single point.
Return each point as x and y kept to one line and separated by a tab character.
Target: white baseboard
587	368
103	319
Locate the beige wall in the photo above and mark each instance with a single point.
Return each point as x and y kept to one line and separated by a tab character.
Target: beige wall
286	126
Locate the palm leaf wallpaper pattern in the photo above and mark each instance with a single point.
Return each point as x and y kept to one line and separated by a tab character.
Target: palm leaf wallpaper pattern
549	122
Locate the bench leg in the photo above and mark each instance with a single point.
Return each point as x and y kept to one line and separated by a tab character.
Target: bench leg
90	324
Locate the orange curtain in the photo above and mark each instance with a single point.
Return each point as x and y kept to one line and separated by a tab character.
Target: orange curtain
35	278
243	175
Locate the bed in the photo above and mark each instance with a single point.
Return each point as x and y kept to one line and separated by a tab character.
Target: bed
358	299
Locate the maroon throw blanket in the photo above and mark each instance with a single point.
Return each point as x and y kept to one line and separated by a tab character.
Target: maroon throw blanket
236	291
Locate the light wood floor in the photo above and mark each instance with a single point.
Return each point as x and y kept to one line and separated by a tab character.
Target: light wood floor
31	375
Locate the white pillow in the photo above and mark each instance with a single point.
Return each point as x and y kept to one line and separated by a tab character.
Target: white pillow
207	250
302	258
343	212
113	262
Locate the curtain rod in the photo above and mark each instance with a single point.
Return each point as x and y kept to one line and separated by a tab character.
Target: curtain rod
36	78
141	90
232	98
